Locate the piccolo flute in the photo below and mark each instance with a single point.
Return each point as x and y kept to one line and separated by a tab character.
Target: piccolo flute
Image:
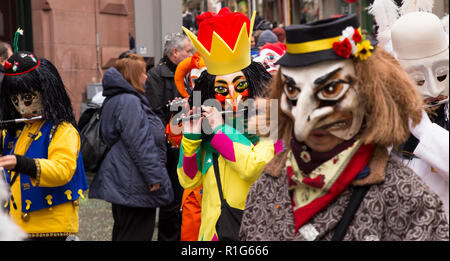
21	120
435	103
196	116
176	103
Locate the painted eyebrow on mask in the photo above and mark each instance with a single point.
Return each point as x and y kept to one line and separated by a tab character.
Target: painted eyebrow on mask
221	82
237	78
289	80
324	78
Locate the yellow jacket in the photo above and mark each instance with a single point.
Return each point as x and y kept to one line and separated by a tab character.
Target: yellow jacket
57	170
240	164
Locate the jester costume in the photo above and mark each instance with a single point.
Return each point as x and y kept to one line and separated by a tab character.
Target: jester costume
224	43
49	178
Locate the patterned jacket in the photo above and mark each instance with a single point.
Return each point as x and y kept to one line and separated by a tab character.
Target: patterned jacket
398	206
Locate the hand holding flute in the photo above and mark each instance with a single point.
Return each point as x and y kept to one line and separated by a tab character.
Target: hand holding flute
194	118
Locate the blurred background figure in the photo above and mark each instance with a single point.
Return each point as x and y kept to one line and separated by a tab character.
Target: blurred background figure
5	53
9	231
160	91
267	36
280	33
269	55
186	76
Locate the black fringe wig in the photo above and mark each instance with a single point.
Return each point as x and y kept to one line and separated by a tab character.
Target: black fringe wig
44	79
256	75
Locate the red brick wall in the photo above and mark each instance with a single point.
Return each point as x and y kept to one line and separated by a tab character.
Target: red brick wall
65	33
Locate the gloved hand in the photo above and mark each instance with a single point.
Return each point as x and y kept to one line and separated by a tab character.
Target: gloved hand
420	129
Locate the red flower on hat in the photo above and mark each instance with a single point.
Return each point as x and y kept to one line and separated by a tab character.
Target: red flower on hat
343	48
7	65
357	36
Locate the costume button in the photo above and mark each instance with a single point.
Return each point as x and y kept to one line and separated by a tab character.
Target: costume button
49	199
80	192
68	194
25	217
28	202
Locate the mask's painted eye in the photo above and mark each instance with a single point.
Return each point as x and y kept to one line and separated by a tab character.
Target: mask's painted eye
419	78
242	86
291	91
441	73
333	90
222	90
27	97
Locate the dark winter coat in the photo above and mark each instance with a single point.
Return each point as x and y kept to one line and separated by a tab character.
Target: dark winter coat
160	88
138	151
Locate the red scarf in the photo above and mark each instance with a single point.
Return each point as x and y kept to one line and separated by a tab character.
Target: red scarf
355	165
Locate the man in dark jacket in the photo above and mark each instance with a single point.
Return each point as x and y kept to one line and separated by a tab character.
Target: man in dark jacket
160	89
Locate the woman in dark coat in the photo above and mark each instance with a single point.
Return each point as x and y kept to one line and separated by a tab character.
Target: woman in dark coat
132	176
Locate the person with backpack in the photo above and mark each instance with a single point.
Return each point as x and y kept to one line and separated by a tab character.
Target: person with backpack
132	175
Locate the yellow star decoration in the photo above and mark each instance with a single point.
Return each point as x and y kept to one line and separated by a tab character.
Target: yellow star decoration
363	50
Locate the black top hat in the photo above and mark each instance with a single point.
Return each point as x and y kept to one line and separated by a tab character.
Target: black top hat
20	63
312	43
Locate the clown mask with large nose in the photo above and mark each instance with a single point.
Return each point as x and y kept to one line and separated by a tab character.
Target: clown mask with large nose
28	104
322	99
231	89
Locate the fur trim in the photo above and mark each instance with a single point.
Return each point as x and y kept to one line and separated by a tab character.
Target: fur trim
276	165
377	166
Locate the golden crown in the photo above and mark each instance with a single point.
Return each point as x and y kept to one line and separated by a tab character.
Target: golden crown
222	59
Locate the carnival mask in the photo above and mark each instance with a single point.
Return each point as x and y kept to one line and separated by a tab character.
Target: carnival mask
430	75
192	77
322	96
423	54
28	104
231	89
268	58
